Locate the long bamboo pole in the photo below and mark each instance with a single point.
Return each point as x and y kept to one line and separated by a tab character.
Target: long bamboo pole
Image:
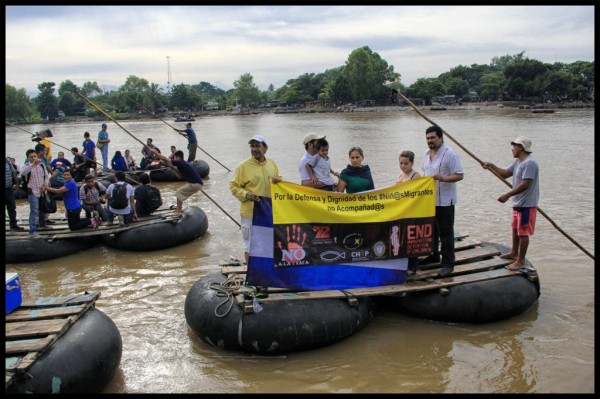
552	222
177	130
135	138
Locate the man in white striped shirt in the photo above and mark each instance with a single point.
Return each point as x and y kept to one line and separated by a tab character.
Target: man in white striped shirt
37	182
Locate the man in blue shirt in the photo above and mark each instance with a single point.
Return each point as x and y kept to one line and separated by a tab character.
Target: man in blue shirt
102	145
190	135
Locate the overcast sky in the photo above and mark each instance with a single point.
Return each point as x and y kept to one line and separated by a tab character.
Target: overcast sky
217	44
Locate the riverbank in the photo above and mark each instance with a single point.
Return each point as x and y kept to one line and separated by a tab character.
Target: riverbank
170	117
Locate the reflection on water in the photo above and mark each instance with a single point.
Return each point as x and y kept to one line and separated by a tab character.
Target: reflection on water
548	349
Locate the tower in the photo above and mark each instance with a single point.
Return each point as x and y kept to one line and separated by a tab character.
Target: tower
168	75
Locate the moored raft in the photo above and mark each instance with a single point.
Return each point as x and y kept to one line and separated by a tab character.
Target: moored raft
166	174
235	321
159	232
61	345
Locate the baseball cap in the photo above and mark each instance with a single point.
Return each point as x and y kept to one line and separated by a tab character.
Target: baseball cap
258	138
104	125
524	142
310	137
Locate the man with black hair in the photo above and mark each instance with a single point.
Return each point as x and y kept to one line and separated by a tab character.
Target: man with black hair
147	197
183	170
442	163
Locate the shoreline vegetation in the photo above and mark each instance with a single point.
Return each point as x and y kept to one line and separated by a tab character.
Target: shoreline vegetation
171	116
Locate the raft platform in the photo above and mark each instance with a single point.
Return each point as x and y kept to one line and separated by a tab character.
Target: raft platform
60	228
475	262
35	326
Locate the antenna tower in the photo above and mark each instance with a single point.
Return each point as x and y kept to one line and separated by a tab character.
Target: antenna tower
168	74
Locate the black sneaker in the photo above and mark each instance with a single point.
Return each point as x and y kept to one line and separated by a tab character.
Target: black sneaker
430	259
446	271
48	221
16	228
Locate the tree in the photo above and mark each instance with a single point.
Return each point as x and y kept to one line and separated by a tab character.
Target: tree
524	71
426	88
208	91
185	97
246	92
152	97
368	75
18	104
46	101
132	93
493	85
91	89
68	100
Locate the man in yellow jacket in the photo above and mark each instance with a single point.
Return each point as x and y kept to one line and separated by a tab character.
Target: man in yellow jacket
250	182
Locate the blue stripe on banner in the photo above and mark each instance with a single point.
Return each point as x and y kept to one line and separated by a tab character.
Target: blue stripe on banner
262	271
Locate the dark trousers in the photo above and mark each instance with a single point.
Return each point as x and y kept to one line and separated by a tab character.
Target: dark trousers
74	220
444	233
192	151
11	206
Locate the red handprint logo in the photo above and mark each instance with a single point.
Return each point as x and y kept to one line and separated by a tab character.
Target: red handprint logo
293	251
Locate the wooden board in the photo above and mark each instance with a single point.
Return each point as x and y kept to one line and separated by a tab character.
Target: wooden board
419	285
36	325
61	230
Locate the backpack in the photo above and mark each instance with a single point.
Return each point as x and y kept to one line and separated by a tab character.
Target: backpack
119	198
47	203
153	199
87	190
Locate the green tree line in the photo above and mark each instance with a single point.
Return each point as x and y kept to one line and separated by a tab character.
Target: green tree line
364	76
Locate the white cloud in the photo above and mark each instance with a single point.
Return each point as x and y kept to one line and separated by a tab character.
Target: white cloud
217	44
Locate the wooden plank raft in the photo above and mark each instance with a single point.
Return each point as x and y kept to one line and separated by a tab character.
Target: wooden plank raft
473	262
35	326
62	231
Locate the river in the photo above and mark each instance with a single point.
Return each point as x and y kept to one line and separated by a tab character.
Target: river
548	349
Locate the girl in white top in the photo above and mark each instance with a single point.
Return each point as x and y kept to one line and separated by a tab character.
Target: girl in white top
406	160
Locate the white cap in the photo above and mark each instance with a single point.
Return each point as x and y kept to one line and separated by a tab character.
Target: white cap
310	137
258	138
524	142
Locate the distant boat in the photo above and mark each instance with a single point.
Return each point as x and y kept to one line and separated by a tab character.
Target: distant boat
542	111
438	109
185	118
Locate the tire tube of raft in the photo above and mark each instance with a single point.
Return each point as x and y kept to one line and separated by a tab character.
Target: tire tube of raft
34	250
161	233
280	327
168	175
479	302
83	360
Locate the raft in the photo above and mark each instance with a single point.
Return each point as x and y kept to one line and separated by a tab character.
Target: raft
168	175
479	291
20	247
61	345
159	232
232	321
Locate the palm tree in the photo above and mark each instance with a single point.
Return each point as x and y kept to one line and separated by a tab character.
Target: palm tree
152	97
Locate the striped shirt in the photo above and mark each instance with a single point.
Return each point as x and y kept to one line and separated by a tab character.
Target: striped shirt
37	179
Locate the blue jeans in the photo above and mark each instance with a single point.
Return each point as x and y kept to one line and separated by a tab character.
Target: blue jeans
104	152
35	216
